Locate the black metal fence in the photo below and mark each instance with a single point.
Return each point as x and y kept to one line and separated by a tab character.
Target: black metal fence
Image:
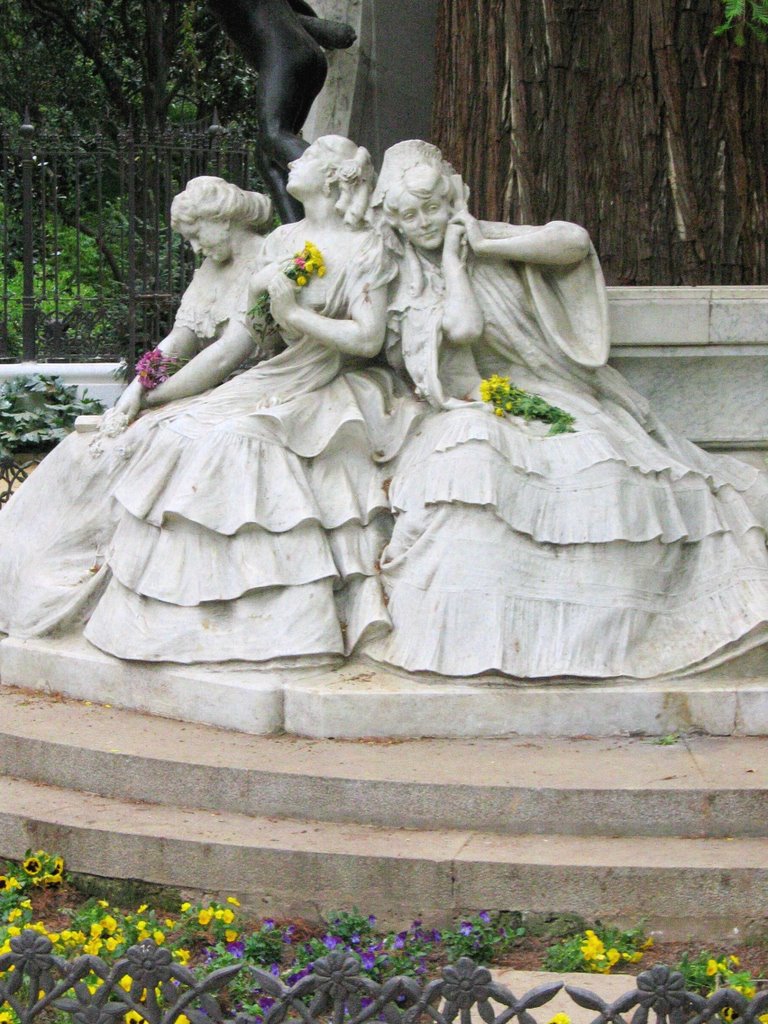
91	270
34	982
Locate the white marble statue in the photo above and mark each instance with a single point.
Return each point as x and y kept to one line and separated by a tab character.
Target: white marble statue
245	523
324	503
616	549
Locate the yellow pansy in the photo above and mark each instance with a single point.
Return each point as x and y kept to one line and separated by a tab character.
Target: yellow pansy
233	900
205	917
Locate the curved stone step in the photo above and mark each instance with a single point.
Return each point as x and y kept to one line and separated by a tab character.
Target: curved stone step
309	867
698	786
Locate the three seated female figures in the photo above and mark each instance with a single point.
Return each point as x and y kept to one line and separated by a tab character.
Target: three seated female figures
430	465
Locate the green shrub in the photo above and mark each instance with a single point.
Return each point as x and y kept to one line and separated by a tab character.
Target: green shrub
37	411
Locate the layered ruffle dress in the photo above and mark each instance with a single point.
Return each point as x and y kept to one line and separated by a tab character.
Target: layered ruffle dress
616	550
247	524
250	524
55	532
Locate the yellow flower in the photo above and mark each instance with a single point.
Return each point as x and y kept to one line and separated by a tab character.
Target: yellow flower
301	280
560	1018
142	909
613	956
499	412
111	943
205	917
648	944
711	968
132	1017
734	960
32	866
230	934
321	271
227	916
233	900
183	955
169	922
104	904
96	930
185	907
763	1018
158	936
109	924
14	915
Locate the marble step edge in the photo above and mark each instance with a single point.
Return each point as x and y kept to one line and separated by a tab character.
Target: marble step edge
699	786
310	867
358	700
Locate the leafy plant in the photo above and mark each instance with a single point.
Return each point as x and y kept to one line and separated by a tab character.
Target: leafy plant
597	950
742	17
37	411
480	937
706	973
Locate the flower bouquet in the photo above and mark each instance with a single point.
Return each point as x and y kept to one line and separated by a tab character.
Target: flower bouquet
299	268
507	399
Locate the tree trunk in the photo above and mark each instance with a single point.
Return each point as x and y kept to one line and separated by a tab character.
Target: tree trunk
627	116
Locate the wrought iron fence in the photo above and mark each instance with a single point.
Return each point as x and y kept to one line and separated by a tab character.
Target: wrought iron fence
90	267
13	473
148	985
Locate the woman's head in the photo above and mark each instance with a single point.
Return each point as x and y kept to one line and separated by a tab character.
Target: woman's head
418	193
212	199
337	167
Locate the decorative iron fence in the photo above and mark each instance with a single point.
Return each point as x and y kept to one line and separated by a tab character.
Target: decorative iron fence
90	268
147	984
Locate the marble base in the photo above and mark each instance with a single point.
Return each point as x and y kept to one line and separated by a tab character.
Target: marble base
357	700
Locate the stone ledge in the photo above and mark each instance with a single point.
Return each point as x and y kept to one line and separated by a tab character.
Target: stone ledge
357	701
718	315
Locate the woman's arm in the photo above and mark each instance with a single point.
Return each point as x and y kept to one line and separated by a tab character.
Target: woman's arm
558	243
462	317
208	368
362	334
181	344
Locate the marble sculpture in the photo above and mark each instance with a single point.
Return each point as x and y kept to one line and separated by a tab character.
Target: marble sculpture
352	493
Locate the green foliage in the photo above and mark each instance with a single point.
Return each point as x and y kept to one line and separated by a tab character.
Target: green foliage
743	17
103	63
706	973
597	950
508	400
481	937
37	411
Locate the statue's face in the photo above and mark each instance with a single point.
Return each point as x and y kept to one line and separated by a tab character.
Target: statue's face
210	238
307	175
423	214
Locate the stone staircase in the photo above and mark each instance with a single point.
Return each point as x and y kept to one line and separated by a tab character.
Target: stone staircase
621	828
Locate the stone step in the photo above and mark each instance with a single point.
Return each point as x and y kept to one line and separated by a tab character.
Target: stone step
697	786
307	867
356	700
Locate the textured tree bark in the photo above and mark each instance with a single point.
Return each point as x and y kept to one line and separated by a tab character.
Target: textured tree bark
627	116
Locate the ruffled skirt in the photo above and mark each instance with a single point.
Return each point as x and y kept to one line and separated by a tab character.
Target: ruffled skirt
249	527
612	551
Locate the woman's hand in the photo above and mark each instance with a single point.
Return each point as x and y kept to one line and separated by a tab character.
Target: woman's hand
128	405
282	296
472	230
